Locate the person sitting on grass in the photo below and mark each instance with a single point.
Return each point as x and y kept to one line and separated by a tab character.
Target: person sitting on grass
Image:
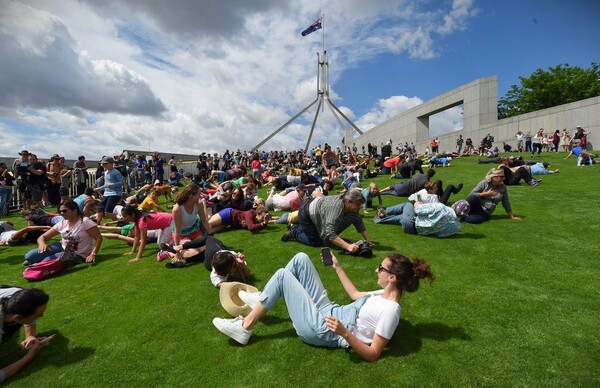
80	238
486	195
252	220
143	223
368	194
366	325
21	307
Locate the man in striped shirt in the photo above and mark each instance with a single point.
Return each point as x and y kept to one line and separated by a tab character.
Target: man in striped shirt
324	218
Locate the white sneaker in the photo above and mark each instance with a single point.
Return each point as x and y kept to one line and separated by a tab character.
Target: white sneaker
233	328
250	298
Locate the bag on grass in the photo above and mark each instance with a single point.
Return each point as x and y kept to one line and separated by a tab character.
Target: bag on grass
364	250
42	270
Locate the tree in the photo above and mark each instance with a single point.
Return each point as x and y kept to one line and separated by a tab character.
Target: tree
544	89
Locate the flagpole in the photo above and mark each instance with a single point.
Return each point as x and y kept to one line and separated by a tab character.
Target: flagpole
323	23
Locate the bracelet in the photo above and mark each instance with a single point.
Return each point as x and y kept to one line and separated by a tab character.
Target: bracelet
339	270
93	254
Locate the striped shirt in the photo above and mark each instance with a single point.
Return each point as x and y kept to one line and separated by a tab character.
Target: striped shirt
328	216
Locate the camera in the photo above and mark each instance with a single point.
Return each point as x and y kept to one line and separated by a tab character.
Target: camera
22	167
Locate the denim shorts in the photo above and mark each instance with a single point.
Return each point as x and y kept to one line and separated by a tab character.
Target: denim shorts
107	205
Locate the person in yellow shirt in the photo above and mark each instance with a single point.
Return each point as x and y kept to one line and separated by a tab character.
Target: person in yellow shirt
151	202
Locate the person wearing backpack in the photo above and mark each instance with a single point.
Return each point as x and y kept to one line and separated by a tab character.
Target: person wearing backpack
21	307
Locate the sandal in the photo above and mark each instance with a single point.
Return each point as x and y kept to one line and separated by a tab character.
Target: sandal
166	247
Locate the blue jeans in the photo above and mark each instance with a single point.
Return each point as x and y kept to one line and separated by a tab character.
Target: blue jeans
33	256
283	219
5	197
403	213
476	215
306	232
307	302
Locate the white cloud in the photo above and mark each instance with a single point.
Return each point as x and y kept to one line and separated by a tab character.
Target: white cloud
190	76
449	120
42	68
385	109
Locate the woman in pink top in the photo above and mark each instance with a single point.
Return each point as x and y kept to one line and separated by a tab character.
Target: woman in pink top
144	222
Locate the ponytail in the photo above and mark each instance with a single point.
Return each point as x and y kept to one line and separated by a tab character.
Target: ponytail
409	271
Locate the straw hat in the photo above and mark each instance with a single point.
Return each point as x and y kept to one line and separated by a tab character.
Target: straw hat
231	302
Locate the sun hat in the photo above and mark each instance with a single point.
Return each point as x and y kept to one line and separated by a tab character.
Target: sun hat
461	208
231	302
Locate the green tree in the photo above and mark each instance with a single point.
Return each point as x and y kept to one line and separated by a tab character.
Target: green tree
544	89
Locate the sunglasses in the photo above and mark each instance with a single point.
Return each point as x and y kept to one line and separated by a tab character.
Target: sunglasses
382	268
63	211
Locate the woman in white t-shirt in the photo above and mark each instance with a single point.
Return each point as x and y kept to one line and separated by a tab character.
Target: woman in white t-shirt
79	235
366	325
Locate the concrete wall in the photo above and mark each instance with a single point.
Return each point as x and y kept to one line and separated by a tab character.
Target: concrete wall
480	112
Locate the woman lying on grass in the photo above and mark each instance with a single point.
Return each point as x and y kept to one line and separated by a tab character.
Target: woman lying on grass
251	219
366	325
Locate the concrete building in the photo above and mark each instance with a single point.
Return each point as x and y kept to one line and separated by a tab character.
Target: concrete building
480	117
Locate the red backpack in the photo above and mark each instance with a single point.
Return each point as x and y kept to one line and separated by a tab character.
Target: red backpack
42	270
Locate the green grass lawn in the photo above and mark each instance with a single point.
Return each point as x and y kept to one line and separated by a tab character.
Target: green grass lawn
515	304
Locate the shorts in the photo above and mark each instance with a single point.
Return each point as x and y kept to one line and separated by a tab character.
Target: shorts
107	205
35	193
225	215
63	191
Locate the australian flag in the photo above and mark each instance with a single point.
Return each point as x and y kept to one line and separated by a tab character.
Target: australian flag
316	25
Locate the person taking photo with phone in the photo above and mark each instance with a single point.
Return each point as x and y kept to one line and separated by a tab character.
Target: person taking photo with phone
366	325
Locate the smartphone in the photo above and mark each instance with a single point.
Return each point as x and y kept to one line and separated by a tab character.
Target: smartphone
46	339
326	253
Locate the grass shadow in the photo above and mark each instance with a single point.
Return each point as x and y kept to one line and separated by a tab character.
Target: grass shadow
57	353
409	338
472	236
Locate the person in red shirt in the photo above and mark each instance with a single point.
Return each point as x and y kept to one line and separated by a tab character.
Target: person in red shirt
391	164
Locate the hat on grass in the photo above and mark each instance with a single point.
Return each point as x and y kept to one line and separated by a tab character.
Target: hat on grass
231	302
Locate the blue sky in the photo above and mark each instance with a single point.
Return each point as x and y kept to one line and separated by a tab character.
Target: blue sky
507	38
96	78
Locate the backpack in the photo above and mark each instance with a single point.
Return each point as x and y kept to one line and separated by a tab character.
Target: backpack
43	269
